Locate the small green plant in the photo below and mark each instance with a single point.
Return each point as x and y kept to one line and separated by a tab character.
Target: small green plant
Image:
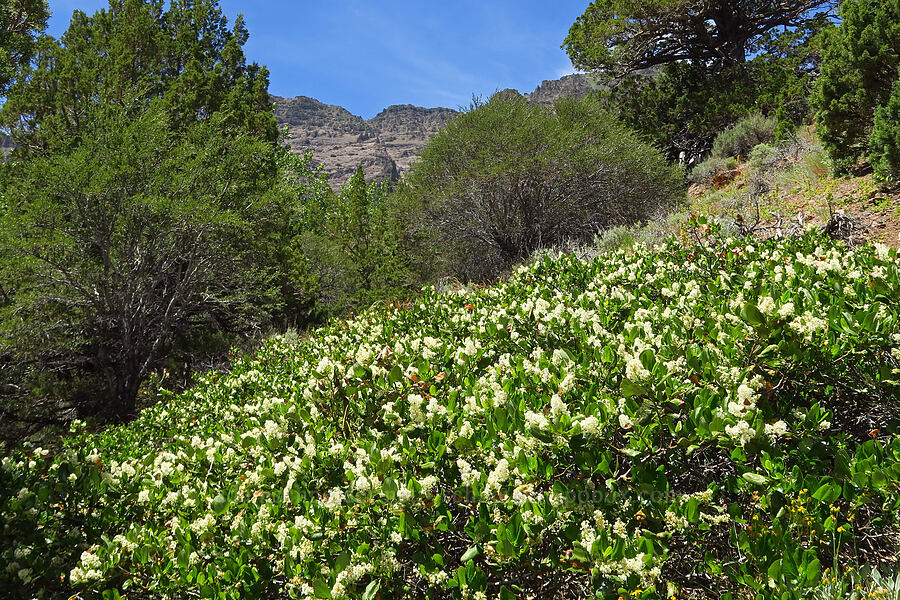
743	136
762	155
712	166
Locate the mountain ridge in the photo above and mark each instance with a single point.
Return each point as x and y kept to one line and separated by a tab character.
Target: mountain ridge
386	144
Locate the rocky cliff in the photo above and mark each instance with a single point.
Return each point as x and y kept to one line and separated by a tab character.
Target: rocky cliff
6	145
577	86
386	144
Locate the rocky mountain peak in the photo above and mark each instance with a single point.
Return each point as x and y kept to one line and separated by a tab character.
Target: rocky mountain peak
388	143
576	86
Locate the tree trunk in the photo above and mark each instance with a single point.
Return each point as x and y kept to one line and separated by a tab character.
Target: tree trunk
123	385
731	37
126	399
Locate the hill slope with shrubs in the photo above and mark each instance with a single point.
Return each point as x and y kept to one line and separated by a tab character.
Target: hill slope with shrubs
705	419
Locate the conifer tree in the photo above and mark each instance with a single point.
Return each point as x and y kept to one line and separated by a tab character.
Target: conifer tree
622	36
183	55
859	67
885	141
21	23
148	206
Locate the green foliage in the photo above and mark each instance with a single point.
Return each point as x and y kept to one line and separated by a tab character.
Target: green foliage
139	237
21	23
682	106
739	139
303	187
690	421
151	217
711	167
621	36
885	141
859	67
762	155
352	244
506	178
182	54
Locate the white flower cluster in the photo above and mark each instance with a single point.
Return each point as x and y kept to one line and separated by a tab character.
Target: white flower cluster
741	431
334	500
775	430
88	569
469	475
497	477
807	325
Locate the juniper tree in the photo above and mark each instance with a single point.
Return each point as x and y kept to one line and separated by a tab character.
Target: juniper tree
859	67
21	23
148	203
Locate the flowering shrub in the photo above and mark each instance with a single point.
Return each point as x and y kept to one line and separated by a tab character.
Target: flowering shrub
650	424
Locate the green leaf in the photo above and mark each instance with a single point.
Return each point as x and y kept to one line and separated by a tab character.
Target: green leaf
692	512
342	562
389	487
769	351
219	504
775	571
506	594
813	571
469	554
371	590
630	388
505	548
753	316
321	589
827	493
755	478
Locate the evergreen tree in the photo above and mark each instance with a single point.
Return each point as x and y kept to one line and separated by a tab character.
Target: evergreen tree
859	67
21	23
148	208
180	53
885	142
353	246
141	236
618	37
683	105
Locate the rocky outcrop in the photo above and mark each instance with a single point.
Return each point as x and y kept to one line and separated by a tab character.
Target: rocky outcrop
387	144
577	86
6	145
404	129
338	139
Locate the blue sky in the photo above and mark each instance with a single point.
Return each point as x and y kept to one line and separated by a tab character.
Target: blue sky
366	55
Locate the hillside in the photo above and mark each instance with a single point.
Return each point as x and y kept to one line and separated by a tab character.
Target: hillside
386	144
794	190
716	420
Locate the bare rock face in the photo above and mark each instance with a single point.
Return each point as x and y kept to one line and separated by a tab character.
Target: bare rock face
6	145
387	144
339	140
404	129
575	86
384	145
